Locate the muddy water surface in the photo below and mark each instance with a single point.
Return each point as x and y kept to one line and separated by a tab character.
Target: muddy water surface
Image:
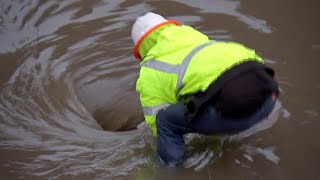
68	106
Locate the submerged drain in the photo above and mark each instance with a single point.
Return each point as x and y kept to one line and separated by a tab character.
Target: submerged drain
117	120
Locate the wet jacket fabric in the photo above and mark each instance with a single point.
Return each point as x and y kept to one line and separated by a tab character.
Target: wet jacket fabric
179	61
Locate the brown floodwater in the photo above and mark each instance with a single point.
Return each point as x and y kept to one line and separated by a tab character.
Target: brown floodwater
69	110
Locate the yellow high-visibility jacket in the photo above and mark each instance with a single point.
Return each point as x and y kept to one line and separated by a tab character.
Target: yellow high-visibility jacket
178	61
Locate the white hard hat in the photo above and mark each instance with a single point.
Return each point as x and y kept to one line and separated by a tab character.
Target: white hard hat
144	24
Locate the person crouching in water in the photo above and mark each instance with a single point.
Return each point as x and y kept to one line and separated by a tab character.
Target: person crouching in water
190	84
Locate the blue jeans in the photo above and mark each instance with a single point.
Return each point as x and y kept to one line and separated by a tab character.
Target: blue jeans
171	125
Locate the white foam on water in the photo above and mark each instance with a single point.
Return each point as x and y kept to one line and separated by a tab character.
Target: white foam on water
267	152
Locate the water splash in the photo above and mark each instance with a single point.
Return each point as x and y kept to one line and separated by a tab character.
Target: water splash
267	152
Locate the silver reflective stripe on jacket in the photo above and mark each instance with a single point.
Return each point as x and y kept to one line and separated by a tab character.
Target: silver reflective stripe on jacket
153	110
162	66
185	63
169	68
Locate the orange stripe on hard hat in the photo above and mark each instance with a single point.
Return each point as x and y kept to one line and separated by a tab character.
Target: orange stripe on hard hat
136	47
